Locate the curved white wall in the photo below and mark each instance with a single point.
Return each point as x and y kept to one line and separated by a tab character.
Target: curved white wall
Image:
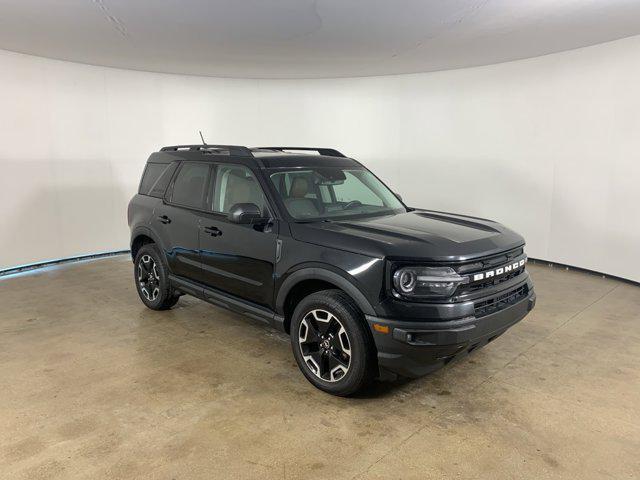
549	146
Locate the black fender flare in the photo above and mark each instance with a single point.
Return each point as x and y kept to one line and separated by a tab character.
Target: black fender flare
147	232
319	273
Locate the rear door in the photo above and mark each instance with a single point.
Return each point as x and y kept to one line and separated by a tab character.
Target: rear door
237	259
176	220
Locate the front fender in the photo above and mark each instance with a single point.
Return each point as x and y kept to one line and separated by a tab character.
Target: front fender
345	282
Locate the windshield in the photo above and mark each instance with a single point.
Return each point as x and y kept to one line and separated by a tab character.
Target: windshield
319	193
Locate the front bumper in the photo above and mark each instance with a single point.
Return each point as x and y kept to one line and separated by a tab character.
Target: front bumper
415	348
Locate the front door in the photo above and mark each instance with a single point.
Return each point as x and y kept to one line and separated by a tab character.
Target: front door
237	259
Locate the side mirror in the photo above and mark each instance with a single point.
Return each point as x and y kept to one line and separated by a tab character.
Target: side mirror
245	213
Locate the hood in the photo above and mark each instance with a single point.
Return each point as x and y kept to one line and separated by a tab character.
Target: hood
419	235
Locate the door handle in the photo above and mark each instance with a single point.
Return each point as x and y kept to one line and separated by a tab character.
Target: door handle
164	219
213	231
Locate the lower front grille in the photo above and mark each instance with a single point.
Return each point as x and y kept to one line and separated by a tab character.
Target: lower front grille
492	305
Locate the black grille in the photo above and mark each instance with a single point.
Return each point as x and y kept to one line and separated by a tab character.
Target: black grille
492	305
489	262
491	282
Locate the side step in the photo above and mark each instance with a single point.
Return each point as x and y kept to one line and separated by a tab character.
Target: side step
229	302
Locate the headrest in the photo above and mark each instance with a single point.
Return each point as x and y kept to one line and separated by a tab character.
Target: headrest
299	187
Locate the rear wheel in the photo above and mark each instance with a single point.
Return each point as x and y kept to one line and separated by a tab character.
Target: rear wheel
152	279
331	344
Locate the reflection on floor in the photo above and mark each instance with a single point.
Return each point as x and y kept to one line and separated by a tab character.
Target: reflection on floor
94	385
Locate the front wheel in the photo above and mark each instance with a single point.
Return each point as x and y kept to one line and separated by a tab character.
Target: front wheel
331	344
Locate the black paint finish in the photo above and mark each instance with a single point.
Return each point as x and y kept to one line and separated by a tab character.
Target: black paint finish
257	268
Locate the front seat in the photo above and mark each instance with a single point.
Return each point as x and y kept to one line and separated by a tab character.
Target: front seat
242	189
298	205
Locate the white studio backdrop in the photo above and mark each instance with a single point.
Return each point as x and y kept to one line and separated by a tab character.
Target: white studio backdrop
550	146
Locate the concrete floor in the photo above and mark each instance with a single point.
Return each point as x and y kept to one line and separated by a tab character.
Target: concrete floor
94	385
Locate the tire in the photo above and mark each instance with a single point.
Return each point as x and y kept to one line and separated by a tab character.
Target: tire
151	277
331	344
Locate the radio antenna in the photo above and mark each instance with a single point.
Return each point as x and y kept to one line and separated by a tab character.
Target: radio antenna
203	142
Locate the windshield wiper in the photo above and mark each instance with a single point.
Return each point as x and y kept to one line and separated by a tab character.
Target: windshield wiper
317	220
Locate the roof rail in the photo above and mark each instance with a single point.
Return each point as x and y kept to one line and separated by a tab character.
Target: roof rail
327	152
235	150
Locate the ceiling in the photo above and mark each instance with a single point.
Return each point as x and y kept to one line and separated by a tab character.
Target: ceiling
308	38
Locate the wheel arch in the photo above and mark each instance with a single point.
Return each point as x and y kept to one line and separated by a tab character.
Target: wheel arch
142	236
308	280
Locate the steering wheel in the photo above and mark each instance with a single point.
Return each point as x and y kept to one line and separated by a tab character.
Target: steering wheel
352	204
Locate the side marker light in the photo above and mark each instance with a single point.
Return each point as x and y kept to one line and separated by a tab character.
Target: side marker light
381	328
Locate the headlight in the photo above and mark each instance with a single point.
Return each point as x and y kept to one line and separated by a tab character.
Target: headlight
427	282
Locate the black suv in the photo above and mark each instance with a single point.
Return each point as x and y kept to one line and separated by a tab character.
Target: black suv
317	246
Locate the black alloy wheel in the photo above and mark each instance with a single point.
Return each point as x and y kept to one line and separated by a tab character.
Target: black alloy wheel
332	343
325	345
152	279
148	278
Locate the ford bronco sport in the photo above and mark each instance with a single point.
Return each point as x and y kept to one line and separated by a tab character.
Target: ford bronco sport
318	247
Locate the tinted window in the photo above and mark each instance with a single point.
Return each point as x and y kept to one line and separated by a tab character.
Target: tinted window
188	187
235	184
152	174
158	188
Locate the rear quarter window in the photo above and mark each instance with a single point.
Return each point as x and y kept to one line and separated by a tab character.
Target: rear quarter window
156	178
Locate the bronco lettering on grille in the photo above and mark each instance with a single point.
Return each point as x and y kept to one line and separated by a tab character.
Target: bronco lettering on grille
499	271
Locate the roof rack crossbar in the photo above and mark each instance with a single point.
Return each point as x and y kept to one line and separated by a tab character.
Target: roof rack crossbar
235	150
327	152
